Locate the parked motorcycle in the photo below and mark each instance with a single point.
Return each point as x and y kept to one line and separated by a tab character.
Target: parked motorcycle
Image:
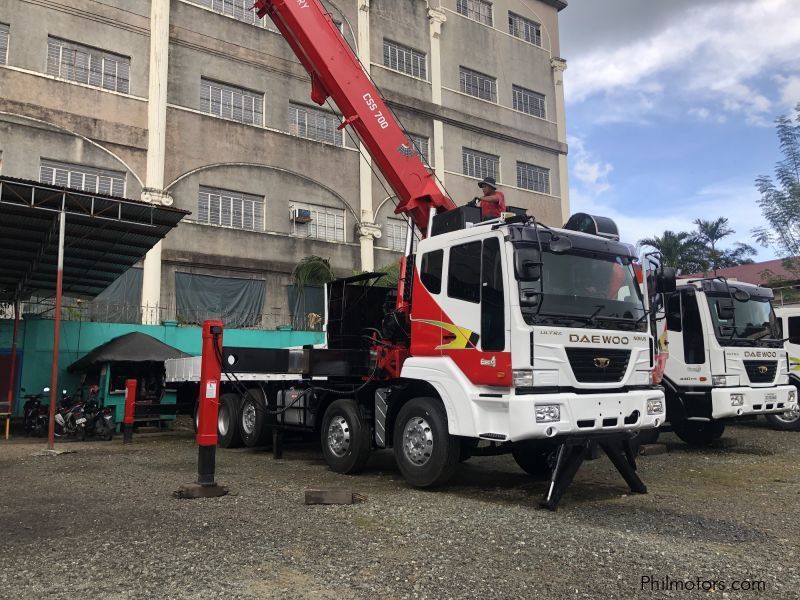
69	416
95	421
35	414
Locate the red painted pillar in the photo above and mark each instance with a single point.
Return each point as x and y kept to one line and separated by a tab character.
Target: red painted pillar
210	373
127	420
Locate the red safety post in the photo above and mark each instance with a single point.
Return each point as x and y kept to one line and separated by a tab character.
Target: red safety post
127	420
210	373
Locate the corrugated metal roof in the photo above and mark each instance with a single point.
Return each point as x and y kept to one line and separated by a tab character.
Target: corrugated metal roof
105	236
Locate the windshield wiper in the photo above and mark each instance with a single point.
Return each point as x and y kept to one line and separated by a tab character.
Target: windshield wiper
591	318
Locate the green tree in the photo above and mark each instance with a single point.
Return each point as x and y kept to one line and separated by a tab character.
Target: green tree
710	233
780	197
681	250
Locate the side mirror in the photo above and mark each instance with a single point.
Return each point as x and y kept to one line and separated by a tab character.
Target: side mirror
725	309
560	244
527	264
665	280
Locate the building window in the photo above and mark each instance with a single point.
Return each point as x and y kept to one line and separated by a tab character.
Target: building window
420	144
477	10
404	59
315	124
528	101
479	164
3	44
91	66
229	102
80	177
478	85
531	177
241	10
525	29
325	224
396	234
226	208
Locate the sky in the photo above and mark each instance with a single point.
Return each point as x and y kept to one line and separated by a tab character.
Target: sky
671	107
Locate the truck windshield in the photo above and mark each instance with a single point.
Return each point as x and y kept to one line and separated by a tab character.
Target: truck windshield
578	289
751	321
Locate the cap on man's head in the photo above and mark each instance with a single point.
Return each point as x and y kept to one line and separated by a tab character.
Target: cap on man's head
490	181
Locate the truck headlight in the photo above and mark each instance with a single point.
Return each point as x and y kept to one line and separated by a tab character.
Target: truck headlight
719	380
655	406
792	396
523	378
737	399
548	413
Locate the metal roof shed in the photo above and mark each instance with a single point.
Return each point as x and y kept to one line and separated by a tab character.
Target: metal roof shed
60	240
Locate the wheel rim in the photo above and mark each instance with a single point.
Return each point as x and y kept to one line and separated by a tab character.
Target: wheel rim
339	436
223	420
418	441
249	418
790	416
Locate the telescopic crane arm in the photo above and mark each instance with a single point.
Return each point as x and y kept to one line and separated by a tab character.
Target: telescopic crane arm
337	73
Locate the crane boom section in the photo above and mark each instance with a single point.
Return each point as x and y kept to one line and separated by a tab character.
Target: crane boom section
337	73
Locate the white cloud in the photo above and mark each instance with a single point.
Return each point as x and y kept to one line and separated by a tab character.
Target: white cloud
713	54
591	172
790	91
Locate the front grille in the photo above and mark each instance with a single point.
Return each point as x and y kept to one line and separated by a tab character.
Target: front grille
598	365
761	371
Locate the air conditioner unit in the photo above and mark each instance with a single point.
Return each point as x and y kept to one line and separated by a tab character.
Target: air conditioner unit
301	215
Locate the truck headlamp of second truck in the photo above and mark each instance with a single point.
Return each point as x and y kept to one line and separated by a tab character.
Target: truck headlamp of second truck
523	378
792	396
737	399
719	380
655	406
548	413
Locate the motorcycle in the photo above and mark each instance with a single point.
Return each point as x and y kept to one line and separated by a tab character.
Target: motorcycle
35	414
69	416
99	421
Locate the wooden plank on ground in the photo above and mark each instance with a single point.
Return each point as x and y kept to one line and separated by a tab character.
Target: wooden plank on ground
329	496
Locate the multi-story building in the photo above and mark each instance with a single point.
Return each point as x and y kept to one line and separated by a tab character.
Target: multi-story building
198	104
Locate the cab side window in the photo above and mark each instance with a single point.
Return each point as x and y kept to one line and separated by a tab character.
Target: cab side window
493	328
431	271
694	350
794	330
674	312
464	272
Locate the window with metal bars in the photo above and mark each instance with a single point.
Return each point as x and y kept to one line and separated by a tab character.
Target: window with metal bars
227	208
404	59
420	144
477	10
83	64
478	85
532	177
479	164
315	124
396	234
81	177
241	10
3	44
525	29
230	102
326	223
528	101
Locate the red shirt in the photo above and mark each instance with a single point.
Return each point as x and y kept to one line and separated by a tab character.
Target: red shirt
492	210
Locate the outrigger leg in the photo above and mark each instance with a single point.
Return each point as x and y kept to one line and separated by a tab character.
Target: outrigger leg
572	453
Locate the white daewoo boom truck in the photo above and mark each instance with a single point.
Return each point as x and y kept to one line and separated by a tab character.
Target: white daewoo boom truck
503	335
726	357
789	317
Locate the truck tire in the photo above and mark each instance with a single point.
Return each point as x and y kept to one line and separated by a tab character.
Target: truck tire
346	443
425	451
535	458
699	433
255	423
228	421
788	421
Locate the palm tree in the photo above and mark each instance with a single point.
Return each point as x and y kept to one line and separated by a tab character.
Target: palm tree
681	250
711	232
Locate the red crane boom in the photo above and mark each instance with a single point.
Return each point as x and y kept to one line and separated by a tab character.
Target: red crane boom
337	73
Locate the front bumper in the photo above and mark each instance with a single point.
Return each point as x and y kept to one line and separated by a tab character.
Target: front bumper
757	401
584	413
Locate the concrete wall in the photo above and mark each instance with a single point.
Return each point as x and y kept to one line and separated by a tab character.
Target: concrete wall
35	345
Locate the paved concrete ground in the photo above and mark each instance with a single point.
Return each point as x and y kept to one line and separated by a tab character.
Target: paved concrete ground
101	522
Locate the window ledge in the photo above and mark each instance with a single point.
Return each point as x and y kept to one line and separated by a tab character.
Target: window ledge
500	31
505	186
391	70
75	83
489	102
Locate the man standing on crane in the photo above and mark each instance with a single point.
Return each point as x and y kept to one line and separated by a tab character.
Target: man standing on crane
492	202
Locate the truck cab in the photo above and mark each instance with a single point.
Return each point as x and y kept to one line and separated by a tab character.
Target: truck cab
789	319
726	357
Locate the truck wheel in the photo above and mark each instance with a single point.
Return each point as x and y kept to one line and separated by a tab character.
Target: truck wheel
254	421
788	421
535	458
699	433
425	451
228	421
345	437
